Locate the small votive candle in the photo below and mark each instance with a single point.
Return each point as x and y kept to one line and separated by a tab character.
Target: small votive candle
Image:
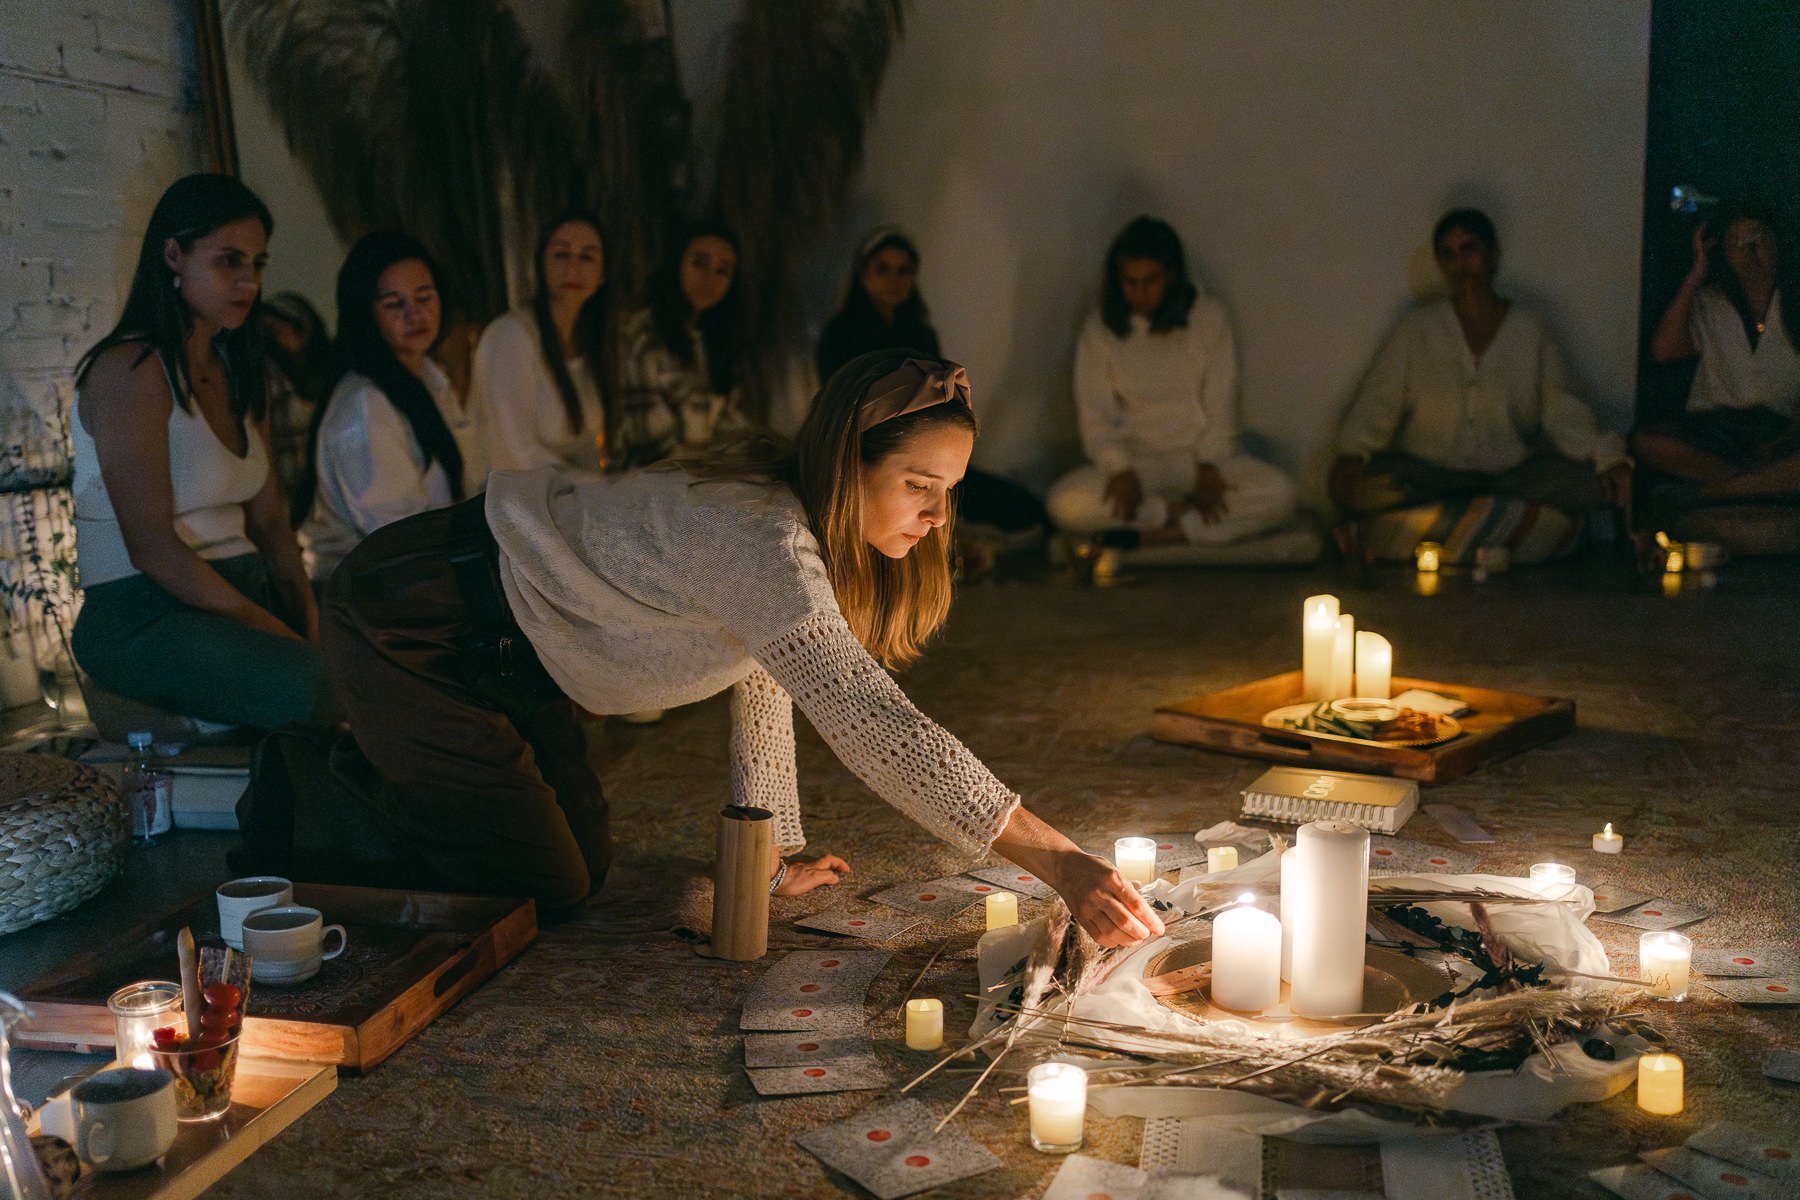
138	1009
1659	1084
1552	880
1135	857
1221	858
1057	1095
1676	563
1002	910
1664	958
924	1024
1426	556
1608	842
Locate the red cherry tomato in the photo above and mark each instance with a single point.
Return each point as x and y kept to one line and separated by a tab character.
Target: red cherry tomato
165	1036
222	995
217	1018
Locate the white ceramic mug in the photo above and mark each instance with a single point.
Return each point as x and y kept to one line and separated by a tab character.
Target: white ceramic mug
287	944
117	1120
241	897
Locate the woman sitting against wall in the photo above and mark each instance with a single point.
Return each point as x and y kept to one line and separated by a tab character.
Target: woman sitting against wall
196	598
394	439
540	374
680	364
884	310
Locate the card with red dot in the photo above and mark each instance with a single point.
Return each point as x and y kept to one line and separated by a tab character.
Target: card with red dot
1416	858
1714	1178
1745	962
932	898
860	923
1771	1152
1012	879
1083	1178
892	1151
813	990
858	1074
1635	1181
802	1049
1658	914
1779	990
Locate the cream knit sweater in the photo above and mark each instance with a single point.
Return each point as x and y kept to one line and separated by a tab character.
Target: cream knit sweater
650	590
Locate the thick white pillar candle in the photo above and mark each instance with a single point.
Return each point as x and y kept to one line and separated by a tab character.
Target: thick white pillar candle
1246	958
1002	910
924	1024
1343	658
1292	880
1318	638
1374	665
1135	857
1552	880
1664	959
1221	858
1608	842
1332	917
1659	1084
1057	1097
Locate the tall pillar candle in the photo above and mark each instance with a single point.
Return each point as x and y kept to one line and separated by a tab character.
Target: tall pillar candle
1331	918
1318	639
1374	665
1343	658
1246	958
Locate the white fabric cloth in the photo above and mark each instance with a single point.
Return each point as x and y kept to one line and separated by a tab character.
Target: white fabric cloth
528	426
649	590
1258	498
1158	393
371	469
1734	374
211	486
1426	395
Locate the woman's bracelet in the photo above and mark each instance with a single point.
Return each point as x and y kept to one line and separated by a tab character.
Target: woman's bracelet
775	881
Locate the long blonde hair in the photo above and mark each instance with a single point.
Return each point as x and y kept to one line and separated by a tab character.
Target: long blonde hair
892	605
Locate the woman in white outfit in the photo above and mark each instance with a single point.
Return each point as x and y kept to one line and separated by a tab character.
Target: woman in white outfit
1156	396
540	370
394	438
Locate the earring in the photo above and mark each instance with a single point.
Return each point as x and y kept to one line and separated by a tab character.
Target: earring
177	280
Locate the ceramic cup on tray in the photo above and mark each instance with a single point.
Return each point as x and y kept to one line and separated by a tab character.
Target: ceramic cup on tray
117	1120
241	897
287	944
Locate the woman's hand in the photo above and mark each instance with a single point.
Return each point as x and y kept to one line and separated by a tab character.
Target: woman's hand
828	870
1112	911
1126	492
1702	244
1209	493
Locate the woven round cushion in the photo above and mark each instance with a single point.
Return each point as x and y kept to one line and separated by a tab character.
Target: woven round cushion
63	836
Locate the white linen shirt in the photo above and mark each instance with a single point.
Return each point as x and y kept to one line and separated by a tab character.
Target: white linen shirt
1155	394
1428	396
528	425
1734	374
371	470
650	590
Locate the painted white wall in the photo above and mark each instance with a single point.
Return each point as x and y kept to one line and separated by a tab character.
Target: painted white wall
1303	151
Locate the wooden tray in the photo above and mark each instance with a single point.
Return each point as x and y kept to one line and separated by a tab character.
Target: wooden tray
411	956
266	1097
1502	724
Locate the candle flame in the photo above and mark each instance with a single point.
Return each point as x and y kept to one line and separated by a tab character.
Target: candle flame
1609	831
1247	898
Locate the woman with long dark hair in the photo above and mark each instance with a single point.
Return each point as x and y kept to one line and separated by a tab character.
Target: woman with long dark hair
789	573
394	439
1156	378
540	373
681	359
1738	311
196	598
883	309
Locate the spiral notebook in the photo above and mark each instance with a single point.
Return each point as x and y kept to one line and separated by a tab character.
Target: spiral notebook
1296	795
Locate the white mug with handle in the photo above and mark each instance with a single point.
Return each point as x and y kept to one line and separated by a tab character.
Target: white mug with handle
117	1120
287	944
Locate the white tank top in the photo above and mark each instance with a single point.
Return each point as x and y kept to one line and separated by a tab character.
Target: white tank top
211	487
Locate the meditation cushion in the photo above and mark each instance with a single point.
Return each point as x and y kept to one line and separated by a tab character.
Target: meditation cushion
64	833
1746	530
1534	533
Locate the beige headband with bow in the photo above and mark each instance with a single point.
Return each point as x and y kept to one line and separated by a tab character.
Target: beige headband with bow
915	384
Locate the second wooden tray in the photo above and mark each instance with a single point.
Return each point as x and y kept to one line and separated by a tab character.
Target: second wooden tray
412	955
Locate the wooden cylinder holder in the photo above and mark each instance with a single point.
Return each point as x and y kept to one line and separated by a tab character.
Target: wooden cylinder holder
744	847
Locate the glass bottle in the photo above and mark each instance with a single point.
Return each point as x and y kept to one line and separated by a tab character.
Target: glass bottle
19	1168
148	790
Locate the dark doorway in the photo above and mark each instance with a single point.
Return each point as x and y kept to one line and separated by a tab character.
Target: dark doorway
1724	118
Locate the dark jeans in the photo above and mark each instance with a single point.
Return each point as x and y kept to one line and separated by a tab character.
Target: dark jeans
984	499
136	639
468	766
1394	480
1743	437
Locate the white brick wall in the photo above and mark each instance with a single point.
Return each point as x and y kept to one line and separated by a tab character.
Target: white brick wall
98	114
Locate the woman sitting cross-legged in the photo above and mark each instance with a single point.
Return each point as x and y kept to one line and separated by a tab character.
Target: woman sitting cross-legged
394	438
196	599
789	574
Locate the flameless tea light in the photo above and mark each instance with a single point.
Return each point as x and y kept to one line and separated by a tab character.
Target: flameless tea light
1002	910
1058	1100
1552	880
1374	665
1659	1084
1608	842
924	1024
1318	640
1221	858
1676	563
1135	857
1426	556
1246	957
1664	959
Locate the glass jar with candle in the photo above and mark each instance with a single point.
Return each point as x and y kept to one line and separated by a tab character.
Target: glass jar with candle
1552	880
138	1009
1057	1096
1135	858
1665	959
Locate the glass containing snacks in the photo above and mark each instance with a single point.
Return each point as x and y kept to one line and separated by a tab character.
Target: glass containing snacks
204	1066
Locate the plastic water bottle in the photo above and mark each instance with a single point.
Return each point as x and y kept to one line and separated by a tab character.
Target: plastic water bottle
148	790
